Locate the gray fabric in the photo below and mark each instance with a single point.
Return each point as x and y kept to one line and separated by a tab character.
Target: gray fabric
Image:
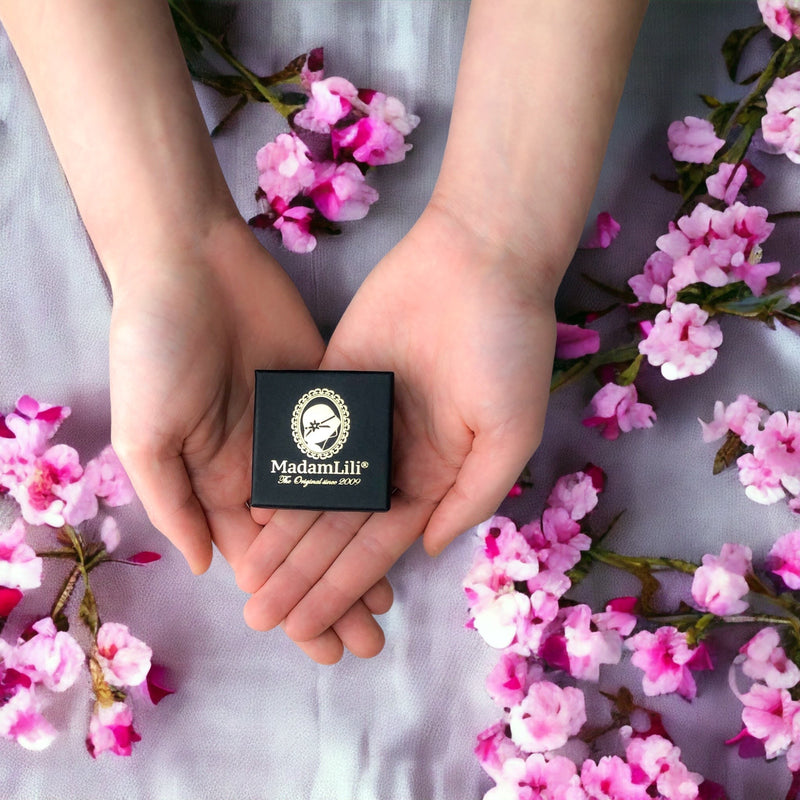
252	718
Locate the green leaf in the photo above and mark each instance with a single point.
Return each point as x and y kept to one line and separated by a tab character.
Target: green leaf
733	47
720	117
710	101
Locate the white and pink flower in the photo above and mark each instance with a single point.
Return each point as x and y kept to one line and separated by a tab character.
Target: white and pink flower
108	479
124	659
720	584
52	658
340	192
111	730
547	717
763	659
682	342
20	567
693	140
285	168
784	559
780	126
616	409
782	17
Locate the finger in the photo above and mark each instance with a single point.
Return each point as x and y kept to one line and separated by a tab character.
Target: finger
359	632
482	483
368	557
162	484
232	531
303	567
283	531
327	648
380	597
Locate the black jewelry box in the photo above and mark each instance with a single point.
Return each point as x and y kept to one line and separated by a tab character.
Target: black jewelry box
322	440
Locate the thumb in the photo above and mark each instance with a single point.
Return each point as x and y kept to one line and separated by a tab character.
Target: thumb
162	483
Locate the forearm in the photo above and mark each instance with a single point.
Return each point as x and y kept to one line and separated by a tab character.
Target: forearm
112	86
538	89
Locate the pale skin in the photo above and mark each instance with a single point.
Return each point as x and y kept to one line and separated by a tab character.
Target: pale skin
461	310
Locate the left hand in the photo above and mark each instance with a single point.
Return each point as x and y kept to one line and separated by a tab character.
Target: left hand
469	333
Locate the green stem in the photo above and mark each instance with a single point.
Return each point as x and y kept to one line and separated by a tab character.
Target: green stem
633	563
66	592
215	43
588	363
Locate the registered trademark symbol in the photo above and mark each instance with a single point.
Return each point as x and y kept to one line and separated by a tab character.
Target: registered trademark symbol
364	464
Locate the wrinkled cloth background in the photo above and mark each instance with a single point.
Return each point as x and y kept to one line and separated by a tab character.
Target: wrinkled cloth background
252	717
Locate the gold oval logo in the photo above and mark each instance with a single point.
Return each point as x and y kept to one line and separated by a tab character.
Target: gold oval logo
320	423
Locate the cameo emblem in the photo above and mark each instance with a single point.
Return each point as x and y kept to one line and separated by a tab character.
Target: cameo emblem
320	423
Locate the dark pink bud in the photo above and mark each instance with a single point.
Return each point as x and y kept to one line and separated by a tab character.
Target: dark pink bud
158	684
315	59
627	605
5	432
701	658
597	475
554	652
9	598
515	490
144	557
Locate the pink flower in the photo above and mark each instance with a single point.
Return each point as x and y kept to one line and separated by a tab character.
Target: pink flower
331	100
31	425
616	408
726	183
340	192
50	489
508	549
108	478
295	227
682	341
769	716
611	779
20	567
588	646
547	717
777	444
20	714
503	619
743	416
494	748
284	168
659	760
573	341
720	583
388	109
508	682
618	616
124	659
576	493
111	729
780	126
553	778
651	285
109	534
784	559
52	658
666	660
765	660
693	140
370	141
782	17
605	231
762	483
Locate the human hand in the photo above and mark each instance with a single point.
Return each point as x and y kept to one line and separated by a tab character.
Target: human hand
470	336
186	336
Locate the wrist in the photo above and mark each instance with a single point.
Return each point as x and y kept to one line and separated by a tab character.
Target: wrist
511	248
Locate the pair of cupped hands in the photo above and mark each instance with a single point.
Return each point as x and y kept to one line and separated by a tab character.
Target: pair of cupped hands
457	318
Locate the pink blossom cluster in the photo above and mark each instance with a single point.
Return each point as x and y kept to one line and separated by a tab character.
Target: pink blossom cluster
780	126
709	246
47	660
315	175
514	587
770	714
48	481
651	767
50	487
782	17
770	468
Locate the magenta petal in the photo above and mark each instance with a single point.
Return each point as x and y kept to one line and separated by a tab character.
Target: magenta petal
144	557
158	684
9	598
